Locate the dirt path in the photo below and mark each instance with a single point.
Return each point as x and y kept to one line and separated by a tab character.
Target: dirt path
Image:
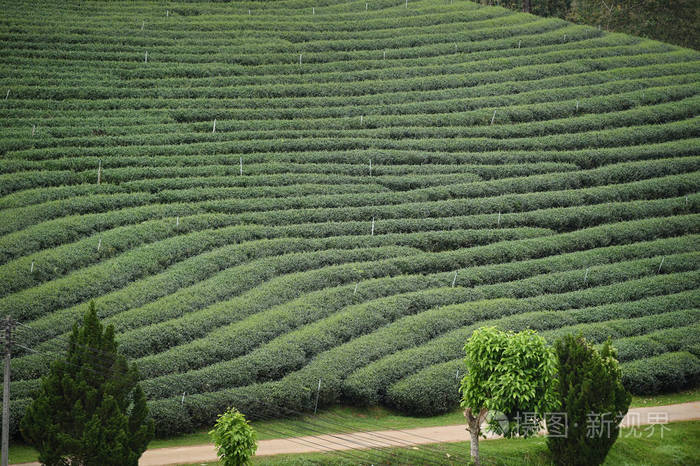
386	438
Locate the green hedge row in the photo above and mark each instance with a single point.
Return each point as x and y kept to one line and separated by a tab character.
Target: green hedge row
229	200
632	135
560	100
89	282
59	231
198	268
488	91
148	259
292	351
407	69
534	45
201	322
370	384
434	390
658	342
668	372
486	35
441	161
296	391
526	72
440	113
242	337
528	122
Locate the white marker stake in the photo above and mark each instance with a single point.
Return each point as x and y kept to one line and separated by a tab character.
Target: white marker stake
33	129
577	105
318	393
177	221
686	200
361	118
454	280
31	268
182	401
406	3
145	60
167	13
99	244
240	166
99	172
384	59
248	12
313	10
564	37
493	117
457	375
455	47
370	167
662	263
300	58
366	6
372	234
143	23
354	292
585	276
8	93
213	130
498	223
519	42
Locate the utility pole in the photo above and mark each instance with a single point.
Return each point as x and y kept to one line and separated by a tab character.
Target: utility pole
8	324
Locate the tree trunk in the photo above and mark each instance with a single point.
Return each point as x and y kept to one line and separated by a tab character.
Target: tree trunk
474	428
475	447
526	6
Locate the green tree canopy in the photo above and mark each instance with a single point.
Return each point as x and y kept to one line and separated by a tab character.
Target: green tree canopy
235	440
591	394
90	409
509	373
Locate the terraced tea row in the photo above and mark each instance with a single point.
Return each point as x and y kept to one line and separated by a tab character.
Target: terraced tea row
263	196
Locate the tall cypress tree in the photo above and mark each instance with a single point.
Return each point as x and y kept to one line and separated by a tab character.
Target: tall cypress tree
591	393
90	409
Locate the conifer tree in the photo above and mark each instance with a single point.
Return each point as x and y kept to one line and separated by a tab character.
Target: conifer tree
591	393
90	409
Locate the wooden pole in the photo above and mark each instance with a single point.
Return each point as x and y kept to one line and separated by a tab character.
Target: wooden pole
6	392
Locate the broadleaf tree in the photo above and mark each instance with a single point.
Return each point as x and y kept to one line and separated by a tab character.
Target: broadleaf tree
234	438
90	409
509	373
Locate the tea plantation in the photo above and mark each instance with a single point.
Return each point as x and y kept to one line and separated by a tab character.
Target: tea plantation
265	198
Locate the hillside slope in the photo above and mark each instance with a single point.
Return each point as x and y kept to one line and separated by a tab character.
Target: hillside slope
265	198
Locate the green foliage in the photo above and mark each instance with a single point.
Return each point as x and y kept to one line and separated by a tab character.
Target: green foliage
674	22
508	372
89	409
591	393
235	440
552	166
